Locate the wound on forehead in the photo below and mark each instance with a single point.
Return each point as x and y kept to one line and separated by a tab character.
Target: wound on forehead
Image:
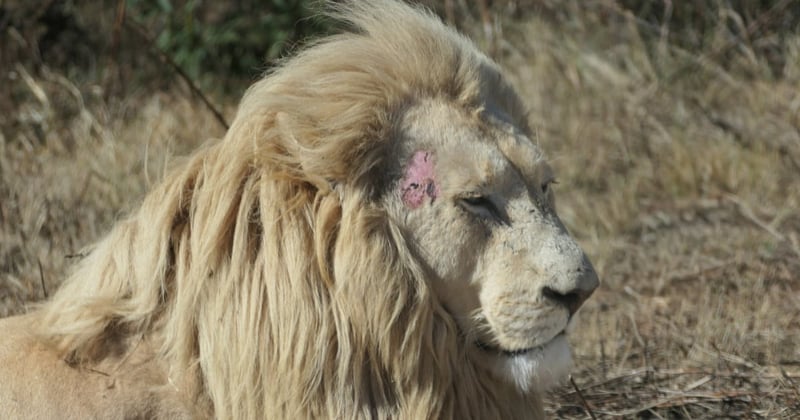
419	180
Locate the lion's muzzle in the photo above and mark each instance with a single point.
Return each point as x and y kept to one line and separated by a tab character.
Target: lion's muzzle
572	293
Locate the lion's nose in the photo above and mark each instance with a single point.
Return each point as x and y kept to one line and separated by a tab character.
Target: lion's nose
574	297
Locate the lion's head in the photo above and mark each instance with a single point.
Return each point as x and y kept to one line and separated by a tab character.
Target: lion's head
375	236
474	196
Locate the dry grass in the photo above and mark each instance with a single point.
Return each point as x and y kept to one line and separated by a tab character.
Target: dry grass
685	190
679	175
70	167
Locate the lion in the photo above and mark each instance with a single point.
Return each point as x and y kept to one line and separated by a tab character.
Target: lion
374	237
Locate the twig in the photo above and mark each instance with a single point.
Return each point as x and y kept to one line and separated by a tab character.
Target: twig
795	243
792	383
681	400
118	21
603	362
746	212
698	383
692	275
583	400
41	278
630	374
685	372
34	87
730	358
167	59
114	50
99	372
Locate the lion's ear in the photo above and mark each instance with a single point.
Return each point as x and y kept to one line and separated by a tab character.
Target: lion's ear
297	156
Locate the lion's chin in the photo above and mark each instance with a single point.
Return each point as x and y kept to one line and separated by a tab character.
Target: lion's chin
538	368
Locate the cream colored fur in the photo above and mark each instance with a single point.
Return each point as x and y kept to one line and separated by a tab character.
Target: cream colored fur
282	272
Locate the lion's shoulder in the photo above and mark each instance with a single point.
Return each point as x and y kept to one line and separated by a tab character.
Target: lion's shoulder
39	383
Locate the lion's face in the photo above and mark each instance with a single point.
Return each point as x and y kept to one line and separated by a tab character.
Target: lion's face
475	198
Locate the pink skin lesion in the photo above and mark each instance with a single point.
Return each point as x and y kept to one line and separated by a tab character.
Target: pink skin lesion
419	180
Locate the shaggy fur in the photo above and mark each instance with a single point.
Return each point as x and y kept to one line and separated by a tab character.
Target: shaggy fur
262	277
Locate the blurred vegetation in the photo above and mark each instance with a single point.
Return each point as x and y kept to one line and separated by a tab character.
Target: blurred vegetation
110	51
725	27
208	39
223	46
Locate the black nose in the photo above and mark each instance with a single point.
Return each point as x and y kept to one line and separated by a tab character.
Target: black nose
573	298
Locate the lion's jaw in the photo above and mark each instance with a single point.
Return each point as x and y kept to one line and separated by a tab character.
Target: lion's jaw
538	368
484	222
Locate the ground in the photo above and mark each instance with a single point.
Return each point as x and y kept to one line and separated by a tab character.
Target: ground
678	171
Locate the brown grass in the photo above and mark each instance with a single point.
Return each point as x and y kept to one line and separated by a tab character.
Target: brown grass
679	173
685	191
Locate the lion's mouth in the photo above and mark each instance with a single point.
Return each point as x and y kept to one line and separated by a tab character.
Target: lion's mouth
515	352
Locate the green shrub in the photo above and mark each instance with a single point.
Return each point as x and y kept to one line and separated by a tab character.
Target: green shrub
237	39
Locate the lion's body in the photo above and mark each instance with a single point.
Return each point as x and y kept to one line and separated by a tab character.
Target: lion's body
329	257
37	383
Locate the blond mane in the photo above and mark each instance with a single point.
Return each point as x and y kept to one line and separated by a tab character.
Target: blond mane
264	268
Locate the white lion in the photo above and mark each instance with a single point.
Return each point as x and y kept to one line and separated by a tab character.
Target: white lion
374	237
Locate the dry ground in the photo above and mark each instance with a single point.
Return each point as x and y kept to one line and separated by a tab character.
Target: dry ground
678	171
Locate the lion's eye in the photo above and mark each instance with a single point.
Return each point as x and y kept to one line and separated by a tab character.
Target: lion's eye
482	206
481	202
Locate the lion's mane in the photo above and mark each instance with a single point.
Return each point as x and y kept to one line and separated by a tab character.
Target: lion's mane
263	266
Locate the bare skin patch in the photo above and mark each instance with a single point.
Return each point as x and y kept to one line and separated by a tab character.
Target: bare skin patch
419	180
